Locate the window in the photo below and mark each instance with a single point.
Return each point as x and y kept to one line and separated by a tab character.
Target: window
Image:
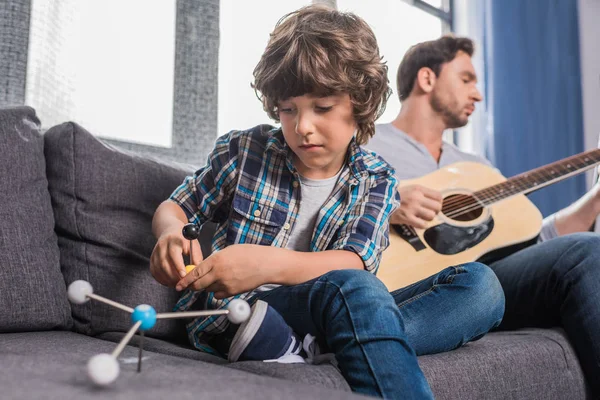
434	3
470	22
98	63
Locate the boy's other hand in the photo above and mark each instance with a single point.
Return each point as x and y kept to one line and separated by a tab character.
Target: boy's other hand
418	206
166	262
235	269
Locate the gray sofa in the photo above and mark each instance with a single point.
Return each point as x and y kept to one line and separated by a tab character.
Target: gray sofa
72	207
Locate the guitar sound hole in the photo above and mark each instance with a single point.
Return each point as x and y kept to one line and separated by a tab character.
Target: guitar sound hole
461	207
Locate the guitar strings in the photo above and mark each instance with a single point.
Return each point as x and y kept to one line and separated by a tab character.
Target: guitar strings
466	200
466	204
469	205
463	199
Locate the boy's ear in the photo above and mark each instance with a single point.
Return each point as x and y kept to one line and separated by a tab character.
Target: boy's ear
426	79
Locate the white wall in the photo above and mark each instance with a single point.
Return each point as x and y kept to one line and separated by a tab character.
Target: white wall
589	36
410	26
243	38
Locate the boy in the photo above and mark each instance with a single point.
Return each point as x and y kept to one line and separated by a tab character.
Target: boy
302	214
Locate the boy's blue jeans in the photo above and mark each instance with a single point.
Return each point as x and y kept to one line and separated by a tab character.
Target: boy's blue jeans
376	336
557	283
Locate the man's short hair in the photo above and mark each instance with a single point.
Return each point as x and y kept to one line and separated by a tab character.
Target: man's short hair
432	54
321	51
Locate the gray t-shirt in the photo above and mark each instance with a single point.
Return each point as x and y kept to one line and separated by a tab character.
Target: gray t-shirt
313	194
411	159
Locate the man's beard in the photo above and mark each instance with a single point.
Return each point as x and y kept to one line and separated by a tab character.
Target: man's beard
451	119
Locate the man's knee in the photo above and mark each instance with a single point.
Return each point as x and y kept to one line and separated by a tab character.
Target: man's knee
580	252
588	243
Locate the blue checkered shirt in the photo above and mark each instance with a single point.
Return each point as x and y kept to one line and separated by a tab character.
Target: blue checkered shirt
251	190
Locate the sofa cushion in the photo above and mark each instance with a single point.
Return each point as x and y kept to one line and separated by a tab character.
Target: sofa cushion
162	346
536	364
523	364
322	375
103	201
32	290
51	365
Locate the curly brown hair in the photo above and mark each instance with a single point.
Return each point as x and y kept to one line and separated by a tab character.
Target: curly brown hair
321	51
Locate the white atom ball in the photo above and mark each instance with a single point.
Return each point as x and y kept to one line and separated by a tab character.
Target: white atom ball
78	291
103	369
239	311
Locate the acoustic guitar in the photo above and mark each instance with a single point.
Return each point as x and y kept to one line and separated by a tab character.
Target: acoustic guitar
484	216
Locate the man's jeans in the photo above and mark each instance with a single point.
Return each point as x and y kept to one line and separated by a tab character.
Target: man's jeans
376	336
554	283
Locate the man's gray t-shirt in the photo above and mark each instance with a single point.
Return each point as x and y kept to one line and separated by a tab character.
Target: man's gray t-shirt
411	159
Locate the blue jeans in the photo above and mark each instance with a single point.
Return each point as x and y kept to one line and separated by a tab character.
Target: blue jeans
557	283
376	336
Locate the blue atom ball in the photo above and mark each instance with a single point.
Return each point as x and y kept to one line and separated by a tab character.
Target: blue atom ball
146	314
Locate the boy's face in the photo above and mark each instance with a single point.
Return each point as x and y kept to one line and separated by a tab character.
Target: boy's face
318	130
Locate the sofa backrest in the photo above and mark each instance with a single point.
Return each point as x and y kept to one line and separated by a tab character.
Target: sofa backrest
103	201
32	289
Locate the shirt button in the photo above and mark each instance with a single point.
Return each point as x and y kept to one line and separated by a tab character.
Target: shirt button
286	226
295	184
257	213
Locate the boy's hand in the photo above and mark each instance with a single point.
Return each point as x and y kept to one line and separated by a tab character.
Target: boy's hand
233	270
166	262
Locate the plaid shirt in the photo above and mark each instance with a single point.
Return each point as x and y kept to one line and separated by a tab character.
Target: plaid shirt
251	189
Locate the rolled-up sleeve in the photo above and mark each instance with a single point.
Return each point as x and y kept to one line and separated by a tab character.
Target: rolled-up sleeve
548	229
366	227
203	194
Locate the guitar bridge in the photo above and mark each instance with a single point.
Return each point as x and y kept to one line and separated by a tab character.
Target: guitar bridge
409	234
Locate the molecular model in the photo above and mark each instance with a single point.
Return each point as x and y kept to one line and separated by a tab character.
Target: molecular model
103	369
191	232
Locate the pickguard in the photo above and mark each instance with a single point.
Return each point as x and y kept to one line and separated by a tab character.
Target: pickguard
446	239
449	239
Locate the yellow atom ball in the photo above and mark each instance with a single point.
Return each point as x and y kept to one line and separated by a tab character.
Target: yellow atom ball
188	268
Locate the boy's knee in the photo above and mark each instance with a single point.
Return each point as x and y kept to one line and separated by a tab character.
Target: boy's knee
357	288
353	278
486	296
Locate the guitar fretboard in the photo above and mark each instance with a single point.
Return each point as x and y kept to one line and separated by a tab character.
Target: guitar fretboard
530	181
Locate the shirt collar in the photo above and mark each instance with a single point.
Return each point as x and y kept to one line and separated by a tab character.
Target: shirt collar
418	145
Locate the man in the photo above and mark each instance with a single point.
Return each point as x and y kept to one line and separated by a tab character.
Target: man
554	282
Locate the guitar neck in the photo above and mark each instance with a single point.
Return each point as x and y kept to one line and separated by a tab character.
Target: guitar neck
538	178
